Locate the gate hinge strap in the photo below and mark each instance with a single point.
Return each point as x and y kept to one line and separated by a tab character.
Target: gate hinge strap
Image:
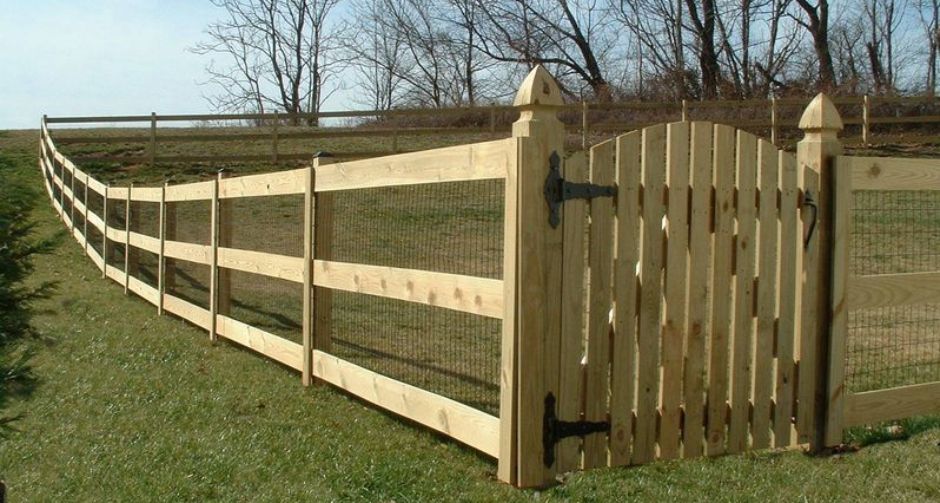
559	190
554	429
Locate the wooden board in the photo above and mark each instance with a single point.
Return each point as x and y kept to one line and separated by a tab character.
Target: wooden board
650	323
96	258
676	284
117	235
147	194
265	264
808	355
570	385
769	172
721	328
745	248
478	161
118	193
626	293
278	183
198	191
190	252
892	173
95	186
95	221
145	291
482	296
600	262
838	306
456	420
115	274
700	252
889	290
890	404
507	468
143	241
788	324
187	311
276	348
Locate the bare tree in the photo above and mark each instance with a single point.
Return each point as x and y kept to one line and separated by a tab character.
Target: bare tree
929	13
377	53
276	54
817	25
657	27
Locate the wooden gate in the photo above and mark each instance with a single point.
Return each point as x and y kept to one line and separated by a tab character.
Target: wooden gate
692	279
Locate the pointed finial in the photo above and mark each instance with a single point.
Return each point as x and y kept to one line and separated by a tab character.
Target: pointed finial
820	115
539	88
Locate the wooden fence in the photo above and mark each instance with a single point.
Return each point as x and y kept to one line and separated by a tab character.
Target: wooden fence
774	117
676	291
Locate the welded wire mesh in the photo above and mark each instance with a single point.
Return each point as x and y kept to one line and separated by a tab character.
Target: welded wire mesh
96	206
188	222
448	227
116	219
271	225
894	232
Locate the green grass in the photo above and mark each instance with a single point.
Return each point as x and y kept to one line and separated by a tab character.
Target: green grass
135	407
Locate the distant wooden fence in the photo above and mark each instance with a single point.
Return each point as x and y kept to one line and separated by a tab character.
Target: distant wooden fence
769	113
675	292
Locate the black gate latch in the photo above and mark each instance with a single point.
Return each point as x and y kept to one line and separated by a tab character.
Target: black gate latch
554	429
559	190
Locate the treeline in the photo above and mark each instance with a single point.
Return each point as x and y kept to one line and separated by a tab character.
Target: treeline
291	55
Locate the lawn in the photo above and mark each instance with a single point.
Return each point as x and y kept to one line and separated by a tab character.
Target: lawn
130	406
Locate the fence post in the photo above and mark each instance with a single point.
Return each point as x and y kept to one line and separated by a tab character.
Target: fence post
214	271
492	120
815	156
866	112
161	259
72	200
153	139
532	277
104	234
169	234
274	138
85	219
774	133
127	237
685	110
584	124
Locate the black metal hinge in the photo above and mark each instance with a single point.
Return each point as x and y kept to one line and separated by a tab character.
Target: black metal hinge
554	429
559	190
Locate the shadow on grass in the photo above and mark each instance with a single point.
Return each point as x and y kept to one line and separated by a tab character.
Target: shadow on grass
891	431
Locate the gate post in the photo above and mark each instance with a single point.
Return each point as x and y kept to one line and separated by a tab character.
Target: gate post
816	153
532	276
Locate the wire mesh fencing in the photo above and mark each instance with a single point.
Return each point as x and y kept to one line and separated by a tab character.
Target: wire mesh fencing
188	222
894	232
447	227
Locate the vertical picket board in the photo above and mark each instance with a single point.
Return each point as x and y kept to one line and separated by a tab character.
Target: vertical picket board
626	291
723	155
676	284
700	244
322	250
650	331
601	257
766	294
507	463
788	329
214	266
745	248
841	225
570	386
306	373
816	152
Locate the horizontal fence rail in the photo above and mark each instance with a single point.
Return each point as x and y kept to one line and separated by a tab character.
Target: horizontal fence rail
590	119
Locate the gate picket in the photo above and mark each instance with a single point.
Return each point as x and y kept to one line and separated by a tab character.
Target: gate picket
677	165
766	294
650	323
721	280
626	291
570	386
700	248
600	262
746	167
791	245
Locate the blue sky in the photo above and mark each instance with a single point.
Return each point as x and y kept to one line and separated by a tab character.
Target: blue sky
101	57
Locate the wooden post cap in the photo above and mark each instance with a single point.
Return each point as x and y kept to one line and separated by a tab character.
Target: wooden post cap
821	115
539	88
